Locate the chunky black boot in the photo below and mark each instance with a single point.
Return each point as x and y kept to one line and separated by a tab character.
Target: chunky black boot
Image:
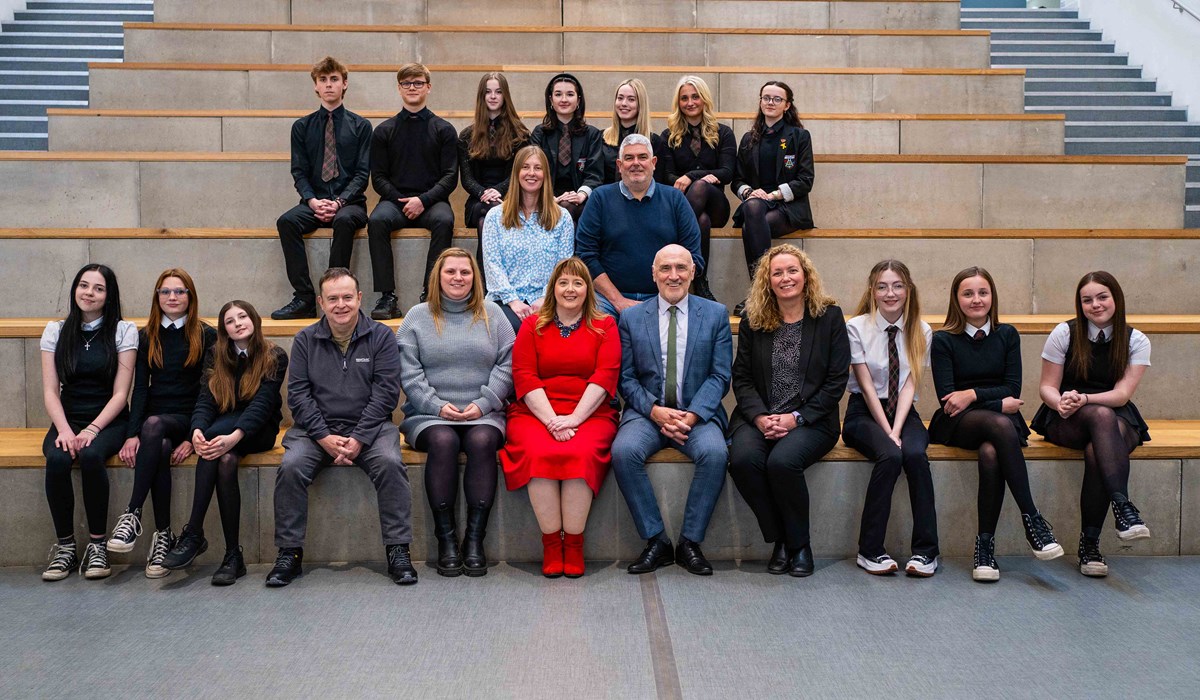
449	562
474	559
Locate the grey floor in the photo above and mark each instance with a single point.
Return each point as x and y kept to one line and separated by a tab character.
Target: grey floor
347	631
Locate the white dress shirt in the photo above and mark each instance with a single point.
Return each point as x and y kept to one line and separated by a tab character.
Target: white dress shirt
1059	343
869	346
681	326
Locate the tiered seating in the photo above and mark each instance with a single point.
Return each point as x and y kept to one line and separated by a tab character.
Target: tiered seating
923	154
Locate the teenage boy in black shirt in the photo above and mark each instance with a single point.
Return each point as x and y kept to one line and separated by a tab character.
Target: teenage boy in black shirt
330	148
414	168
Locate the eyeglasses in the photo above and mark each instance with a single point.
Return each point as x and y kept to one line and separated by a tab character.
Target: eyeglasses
896	287
772	99
164	292
409	84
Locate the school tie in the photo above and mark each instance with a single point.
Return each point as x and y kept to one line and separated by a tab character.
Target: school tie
697	140
979	334
893	384
492	131
329	167
671	386
1100	338
564	148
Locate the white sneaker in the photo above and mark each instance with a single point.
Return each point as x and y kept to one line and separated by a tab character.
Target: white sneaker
95	562
63	561
880	565
921	566
126	532
159	546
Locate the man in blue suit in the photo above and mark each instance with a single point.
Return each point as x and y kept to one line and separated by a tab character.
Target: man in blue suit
676	360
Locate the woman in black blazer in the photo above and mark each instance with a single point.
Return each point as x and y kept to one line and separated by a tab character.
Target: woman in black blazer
631	115
792	364
485	152
774	173
976	362
698	158
578	169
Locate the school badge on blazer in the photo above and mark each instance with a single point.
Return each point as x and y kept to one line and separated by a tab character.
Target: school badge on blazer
789	162
581	164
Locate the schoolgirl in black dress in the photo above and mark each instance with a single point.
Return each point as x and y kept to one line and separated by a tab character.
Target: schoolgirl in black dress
631	115
976	363
238	413
1091	367
577	164
87	367
774	173
486	149
698	158
171	354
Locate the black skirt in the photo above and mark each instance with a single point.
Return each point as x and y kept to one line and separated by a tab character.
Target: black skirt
1046	417
943	427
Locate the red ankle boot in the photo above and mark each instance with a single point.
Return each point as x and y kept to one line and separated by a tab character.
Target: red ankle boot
573	555
552	555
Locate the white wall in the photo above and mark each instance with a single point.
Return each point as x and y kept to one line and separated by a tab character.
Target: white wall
1163	40
7	7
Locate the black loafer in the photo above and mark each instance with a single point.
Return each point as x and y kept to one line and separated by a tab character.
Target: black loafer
689	556
778	563
658	553
800	562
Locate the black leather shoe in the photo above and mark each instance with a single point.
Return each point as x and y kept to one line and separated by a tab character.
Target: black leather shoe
701	289
658	553
689	556
294	309
400	566
191	544
387	307
288	566
800	562
233	567
741	306
474	558
778	563
449	561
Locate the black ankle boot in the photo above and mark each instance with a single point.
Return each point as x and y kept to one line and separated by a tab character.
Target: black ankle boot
474	559
449	561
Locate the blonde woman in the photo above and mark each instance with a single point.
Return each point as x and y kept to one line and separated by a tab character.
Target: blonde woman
631	115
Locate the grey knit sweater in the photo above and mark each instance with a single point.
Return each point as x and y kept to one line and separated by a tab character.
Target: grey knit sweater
466	363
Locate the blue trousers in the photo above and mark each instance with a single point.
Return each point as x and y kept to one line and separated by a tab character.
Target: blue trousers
607	307
639	438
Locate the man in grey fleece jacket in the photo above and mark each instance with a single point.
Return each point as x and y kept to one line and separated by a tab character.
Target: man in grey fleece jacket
343	384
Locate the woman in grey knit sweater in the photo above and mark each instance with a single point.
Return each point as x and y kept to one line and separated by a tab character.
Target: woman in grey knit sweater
456	372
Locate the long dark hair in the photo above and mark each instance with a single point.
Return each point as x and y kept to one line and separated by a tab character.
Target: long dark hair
71	337
1081	351
790	116
956	320
511	134
577	124
260	356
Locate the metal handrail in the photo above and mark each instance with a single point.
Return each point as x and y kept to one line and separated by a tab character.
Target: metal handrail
1176	5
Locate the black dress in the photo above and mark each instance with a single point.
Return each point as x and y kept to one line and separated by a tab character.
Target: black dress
991	366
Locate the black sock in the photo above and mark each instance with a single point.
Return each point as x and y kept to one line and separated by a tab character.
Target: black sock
67	541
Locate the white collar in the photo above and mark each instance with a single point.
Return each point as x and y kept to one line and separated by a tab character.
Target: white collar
664	307
177	323
882	324
1094	330
242	353
94	324
986	328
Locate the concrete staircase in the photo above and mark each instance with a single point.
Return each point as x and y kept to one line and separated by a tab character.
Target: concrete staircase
44	54
1110	107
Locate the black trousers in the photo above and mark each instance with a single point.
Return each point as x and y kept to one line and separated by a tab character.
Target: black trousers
389	216
860	431
60	494
298	221
770	476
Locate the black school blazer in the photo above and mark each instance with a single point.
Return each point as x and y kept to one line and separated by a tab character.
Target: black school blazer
794	167
825	355
587	157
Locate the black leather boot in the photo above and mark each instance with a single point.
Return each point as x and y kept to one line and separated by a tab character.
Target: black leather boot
449	561
474	559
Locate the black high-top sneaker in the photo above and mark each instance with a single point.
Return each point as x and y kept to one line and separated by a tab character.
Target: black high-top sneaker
63	560
1040	536
162	543
1091	561
1128	519
95	561
126	532
986	568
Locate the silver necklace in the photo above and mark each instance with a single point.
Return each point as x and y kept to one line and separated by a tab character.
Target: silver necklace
87	342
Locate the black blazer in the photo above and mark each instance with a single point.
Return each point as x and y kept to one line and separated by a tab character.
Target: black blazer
825	355
794	168
587	157
679	161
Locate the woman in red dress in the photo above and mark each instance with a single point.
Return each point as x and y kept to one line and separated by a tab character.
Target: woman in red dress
566	362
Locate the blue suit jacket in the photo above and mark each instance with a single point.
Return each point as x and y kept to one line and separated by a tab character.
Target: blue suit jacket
708	360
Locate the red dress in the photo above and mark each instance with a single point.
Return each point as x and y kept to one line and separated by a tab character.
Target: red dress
563	367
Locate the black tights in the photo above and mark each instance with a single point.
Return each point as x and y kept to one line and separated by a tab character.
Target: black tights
760	224
442	443
1106	441
711	207
1001	462
152	467
220	475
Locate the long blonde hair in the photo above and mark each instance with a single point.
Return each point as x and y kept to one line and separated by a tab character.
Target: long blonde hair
914	335
677	124
591	310
548	210
762	308
476	304
612	135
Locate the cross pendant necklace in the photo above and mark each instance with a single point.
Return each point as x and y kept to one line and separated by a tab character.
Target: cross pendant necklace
87	343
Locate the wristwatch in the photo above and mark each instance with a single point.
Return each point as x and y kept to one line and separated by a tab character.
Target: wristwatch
799	418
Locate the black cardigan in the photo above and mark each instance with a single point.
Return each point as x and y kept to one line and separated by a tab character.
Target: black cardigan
262	412
794	168
825	355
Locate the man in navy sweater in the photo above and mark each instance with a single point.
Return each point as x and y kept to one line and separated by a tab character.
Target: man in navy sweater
626	223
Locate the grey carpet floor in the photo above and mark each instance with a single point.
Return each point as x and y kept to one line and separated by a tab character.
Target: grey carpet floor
347	631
